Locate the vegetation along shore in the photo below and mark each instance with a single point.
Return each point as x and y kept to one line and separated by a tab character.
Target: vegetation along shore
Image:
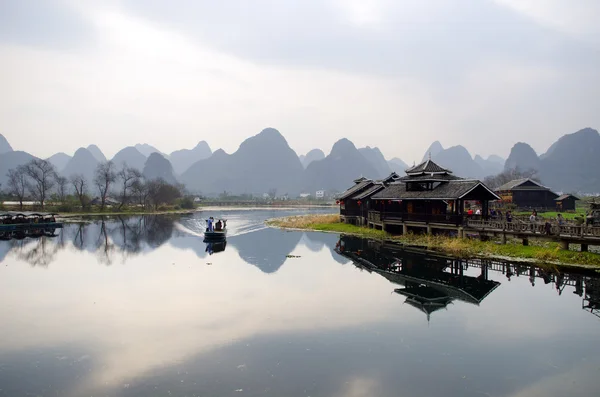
539	252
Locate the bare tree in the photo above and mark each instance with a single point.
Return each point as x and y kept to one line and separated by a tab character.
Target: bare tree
139	190
61	188
17	184
510	175
81	187
104	177
42	174
127	177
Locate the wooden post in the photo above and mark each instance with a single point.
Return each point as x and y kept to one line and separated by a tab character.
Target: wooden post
564	244
404	228
461	232
428	229
525	241
584	248
503	238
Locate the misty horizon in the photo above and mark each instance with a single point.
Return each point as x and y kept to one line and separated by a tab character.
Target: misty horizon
393	75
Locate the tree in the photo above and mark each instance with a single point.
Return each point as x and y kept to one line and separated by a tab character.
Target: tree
161	192
17	184
103	178
42	175
510	175
272	193
61	187
80	184
128	177
139	190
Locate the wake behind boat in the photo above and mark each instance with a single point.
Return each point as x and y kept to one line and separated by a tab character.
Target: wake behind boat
215	230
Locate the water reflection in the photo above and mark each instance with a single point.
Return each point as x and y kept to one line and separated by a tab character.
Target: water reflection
284	313
432	282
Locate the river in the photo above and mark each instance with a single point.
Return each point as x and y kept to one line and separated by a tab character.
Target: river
141	306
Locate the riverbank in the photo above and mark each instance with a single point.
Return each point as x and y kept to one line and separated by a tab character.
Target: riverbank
67	215
539	252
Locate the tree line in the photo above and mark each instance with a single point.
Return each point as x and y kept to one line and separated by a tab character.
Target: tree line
39	180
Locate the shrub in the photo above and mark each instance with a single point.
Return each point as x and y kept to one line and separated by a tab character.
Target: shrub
187	203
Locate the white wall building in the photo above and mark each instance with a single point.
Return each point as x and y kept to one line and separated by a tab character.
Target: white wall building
320	194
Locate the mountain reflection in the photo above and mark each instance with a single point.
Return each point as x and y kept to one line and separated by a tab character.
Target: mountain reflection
118	238
432	282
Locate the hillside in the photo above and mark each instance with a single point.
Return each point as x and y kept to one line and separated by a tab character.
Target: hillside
262	162
375	157
184	158
158	167
337	171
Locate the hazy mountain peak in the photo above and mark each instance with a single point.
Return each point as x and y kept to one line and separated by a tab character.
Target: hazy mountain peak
341	147
184	158
59	160
158	167
496	159
4	145
522	156
96	152
202	145
130	156
147	149
313	155
434	149
375	157
83	162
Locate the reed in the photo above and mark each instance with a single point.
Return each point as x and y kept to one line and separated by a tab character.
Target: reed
540	252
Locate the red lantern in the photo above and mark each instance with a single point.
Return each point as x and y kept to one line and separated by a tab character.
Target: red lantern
389	201
359	202
337	201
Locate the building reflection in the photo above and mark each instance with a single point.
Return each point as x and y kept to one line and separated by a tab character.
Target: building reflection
431	282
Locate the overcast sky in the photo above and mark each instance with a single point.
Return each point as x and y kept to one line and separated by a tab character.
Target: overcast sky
397	74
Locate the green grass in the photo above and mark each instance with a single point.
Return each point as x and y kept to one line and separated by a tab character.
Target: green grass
538	251
554	214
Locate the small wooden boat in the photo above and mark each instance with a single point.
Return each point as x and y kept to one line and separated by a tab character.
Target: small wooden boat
216	230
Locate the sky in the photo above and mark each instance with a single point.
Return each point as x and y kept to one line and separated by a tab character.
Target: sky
396	74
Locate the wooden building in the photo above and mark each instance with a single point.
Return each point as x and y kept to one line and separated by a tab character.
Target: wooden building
527	194
565	202
428	196
354	202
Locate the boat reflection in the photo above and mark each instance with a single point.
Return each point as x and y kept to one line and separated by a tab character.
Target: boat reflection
431	282
213	247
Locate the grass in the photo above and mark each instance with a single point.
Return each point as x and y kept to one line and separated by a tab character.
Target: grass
541	252
553	214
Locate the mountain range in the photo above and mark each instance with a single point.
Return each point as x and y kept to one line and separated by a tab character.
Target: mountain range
265	163
571	164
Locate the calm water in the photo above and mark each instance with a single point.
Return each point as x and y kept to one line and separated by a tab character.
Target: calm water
138	307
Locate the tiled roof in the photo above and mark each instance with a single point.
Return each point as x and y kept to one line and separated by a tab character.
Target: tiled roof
427	167
517	182
446	191
564	196
368	193
430	178
355	189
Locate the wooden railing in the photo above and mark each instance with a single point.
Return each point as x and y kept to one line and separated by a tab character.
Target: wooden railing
537	228
376	216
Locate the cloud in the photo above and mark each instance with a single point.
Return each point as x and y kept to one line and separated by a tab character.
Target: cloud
393	74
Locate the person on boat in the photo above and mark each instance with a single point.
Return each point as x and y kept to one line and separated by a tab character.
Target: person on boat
210	224
219	225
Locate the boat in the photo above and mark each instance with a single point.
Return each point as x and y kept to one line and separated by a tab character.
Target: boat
218	232
27	224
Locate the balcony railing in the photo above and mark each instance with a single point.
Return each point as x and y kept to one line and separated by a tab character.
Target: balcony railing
376	216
